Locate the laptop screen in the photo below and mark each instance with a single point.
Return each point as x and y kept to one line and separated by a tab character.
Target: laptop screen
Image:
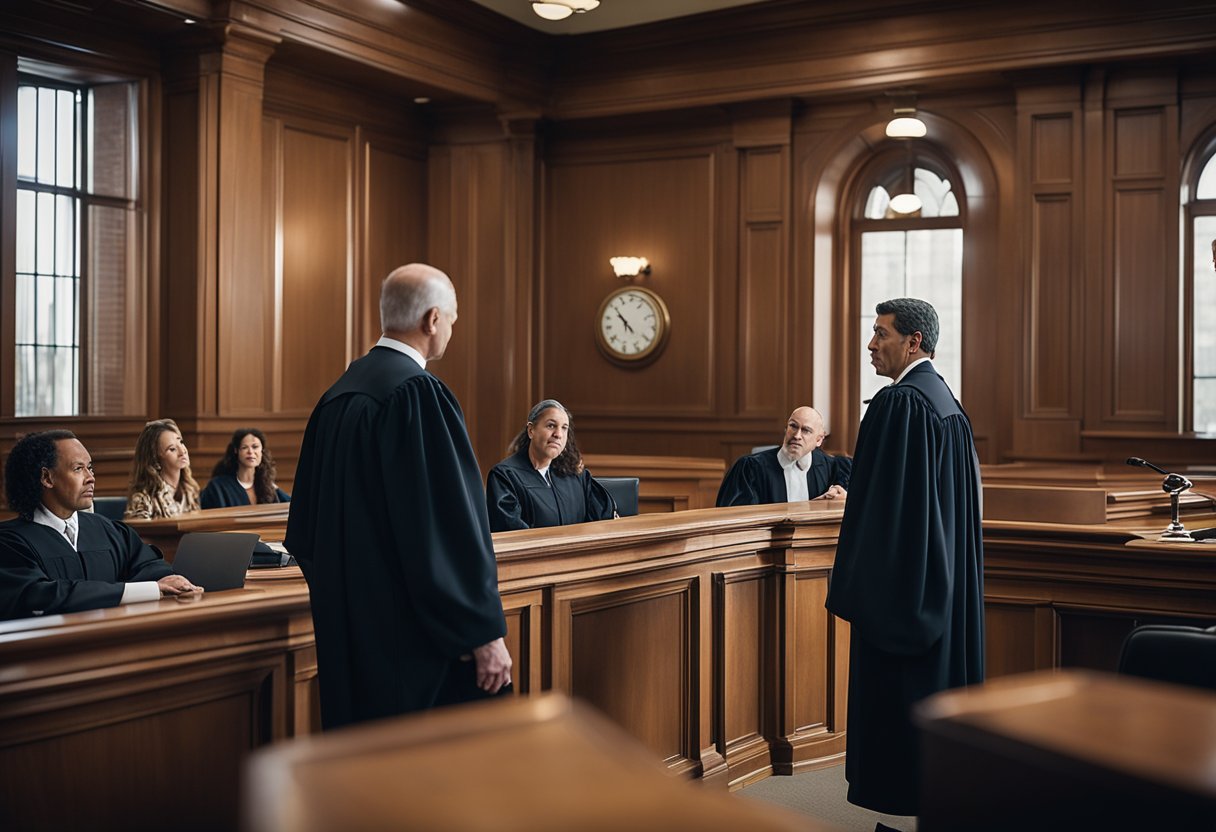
215	560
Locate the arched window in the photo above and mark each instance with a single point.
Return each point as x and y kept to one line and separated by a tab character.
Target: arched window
915	254
1202	308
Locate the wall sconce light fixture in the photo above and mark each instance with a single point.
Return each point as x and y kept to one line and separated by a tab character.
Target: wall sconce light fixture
561	9
629	267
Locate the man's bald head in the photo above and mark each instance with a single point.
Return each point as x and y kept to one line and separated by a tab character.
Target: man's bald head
804	432
409	292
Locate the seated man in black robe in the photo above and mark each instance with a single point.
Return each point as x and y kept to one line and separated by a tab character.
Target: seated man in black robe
798	470
909	571
56	556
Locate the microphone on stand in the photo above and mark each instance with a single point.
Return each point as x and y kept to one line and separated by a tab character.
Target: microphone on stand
1174	485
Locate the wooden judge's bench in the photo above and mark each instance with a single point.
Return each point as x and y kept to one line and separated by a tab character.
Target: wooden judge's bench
702	633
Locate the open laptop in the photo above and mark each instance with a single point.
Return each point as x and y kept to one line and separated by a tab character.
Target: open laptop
215	560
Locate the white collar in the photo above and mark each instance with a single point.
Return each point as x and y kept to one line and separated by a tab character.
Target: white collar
43	517
785	460
401	346
908	369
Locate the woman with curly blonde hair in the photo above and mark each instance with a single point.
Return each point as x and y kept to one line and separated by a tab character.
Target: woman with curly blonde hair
161	482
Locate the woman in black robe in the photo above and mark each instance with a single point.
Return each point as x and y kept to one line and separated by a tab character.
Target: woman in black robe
543	481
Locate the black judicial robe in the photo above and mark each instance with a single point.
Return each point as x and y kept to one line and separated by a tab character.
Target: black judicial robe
908	577
388	523
518	497
757	478
224	491
40	572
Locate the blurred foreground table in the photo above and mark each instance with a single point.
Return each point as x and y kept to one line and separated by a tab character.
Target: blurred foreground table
535	764
1068	750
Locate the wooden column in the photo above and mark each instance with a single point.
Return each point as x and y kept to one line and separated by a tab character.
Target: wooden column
217	293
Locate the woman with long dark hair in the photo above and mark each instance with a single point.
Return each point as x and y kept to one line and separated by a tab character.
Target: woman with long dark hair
245	474
543	482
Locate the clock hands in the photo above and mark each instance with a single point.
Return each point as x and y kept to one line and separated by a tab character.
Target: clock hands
625	322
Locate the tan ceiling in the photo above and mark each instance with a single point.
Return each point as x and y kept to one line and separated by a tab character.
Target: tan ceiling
611	14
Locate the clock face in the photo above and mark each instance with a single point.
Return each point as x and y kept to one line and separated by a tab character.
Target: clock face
633	324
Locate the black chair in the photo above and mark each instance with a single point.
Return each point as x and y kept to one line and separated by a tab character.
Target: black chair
760	448
624	491
1171	653
111	508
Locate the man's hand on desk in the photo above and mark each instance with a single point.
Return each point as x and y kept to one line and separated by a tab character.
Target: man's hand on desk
835	492
179	587
493	665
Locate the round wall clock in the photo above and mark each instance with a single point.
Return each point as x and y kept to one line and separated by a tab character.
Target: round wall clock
632	325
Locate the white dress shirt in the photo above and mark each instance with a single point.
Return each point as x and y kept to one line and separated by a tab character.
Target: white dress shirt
401	346
133	592
795	475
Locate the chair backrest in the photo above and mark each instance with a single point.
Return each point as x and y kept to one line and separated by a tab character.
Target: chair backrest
1171	653
111	508
625	491
760	448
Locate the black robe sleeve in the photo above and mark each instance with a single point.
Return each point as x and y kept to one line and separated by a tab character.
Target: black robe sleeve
503	501
842	469
743	484
893	569
600	505
39	573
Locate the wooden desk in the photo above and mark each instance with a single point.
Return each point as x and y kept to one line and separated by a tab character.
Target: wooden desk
532	765
268	520
138	717
1068	750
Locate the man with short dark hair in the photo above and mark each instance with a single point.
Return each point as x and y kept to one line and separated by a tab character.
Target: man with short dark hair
389	525
909	564
56	556
797	470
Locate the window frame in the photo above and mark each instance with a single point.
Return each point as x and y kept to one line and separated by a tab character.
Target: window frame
1204	155
881	168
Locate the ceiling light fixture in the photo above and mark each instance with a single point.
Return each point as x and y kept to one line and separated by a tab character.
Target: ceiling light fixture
904	123
561	9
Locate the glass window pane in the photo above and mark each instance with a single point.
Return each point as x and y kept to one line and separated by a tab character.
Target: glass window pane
1206	189
25	403
65	235
1205	405
25	231
876	203
1204	302
46	135
25	309
44	262
44	308
27	132
44	372
65	387
882	270
65	311
65	134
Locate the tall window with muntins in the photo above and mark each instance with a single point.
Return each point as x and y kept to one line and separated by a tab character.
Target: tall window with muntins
76	237
917	254
1203	300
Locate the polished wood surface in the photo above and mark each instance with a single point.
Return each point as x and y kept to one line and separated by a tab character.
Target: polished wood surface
543	763
142	710
269	520
1085	750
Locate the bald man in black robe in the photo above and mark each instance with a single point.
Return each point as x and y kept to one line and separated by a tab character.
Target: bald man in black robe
388	522
909	565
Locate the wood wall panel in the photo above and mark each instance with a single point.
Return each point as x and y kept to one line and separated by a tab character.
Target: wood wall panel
1051	149
660	207
394	187
1018	637
316	271
1139	144
762	310
814	637
1143	353
743	687
618	638
1051	313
